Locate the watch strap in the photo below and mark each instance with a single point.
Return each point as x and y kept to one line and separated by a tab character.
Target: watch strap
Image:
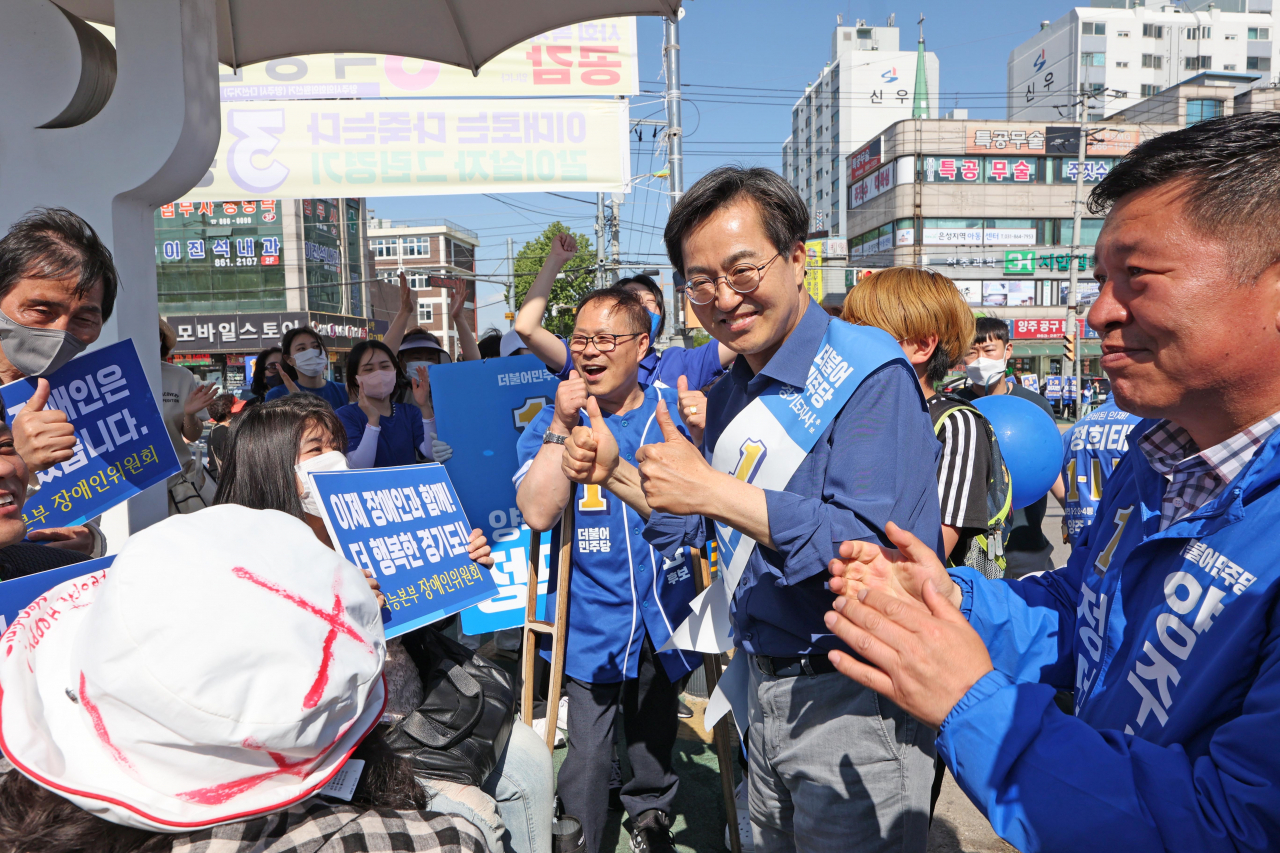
553	438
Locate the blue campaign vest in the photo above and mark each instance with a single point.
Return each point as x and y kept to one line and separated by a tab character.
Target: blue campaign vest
1091	451
621	588
1202	592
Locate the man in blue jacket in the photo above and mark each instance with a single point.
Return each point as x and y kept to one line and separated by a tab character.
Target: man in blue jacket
1164	620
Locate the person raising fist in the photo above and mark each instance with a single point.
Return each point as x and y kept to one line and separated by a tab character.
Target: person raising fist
626	598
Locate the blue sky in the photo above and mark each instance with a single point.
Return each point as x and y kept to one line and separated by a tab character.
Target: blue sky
769	50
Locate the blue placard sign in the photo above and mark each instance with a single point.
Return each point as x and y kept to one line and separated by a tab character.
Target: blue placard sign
20	593
481	409
407	525
1053	387
122	446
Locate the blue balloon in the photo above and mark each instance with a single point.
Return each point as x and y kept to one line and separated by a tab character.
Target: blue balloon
1030	443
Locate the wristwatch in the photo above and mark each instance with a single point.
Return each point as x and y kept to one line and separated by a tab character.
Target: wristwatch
552	438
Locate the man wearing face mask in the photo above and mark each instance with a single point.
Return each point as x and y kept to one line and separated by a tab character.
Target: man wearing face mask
57	288
1027	549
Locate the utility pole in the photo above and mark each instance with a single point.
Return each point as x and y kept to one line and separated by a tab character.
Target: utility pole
511	288
599	240
615	228
675	146
1073	307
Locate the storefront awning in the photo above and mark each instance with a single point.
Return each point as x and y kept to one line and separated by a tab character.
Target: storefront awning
1027	349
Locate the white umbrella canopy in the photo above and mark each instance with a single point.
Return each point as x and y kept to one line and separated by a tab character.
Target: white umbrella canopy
465	33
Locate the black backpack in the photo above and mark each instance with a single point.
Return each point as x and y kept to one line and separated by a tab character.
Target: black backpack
986	551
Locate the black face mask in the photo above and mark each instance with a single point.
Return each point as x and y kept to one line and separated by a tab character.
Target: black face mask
274	380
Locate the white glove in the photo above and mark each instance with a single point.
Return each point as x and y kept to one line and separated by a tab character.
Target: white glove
440	451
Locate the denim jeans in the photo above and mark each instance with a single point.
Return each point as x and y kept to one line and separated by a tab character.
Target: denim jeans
521	787
835	768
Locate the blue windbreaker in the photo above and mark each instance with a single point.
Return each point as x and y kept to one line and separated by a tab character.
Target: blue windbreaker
1172	643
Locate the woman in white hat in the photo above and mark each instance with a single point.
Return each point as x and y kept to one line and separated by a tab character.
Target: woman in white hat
208	692
272	448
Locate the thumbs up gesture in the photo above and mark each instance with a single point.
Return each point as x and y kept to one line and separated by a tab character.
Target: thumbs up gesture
693	409
590	452
675	476
43	437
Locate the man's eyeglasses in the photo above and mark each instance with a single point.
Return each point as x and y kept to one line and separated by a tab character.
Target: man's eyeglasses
603	343
743	278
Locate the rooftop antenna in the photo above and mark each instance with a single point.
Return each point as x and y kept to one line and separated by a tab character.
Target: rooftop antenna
892	15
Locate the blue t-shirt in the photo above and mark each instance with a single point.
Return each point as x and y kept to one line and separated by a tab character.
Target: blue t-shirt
699	365
622	588
332	391
402	433
1090	452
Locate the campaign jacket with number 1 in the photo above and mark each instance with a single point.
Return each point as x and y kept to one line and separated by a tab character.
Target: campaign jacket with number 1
1171	642
621	588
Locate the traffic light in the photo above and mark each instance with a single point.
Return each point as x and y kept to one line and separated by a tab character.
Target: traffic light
1069	348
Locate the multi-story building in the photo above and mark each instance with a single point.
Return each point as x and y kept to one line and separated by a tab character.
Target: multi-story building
868	84
1124	55
234	276
990	203
438	257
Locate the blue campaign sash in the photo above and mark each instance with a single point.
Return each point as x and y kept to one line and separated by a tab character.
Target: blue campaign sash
765	444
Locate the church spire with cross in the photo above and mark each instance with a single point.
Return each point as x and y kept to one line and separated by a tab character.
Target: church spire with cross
920	107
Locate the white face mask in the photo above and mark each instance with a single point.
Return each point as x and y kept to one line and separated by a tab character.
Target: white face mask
985	371
411	369
334	460
312	362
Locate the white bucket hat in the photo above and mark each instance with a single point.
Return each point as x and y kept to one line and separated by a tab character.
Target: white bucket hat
226	666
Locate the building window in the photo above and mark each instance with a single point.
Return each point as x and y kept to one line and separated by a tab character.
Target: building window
1093	59
1152	60
1152	31
1124	34
864	33
1257	63
819	195
1206	32
1200	109
1122	64
1095	117
1097	88
1198	63
1095	28
1230	66
1259	34
385	248
424	311
1231	36
1192	32
1148	90
413	247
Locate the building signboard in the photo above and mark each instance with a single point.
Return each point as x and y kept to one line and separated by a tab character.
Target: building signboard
984	140
871	186
865	159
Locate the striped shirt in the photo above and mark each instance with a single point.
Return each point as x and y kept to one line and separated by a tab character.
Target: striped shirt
963	468
1198	476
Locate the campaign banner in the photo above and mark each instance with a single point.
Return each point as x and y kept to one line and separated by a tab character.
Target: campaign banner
1053	387
1031	382
481	409
1069	389
411	147
20	593
591	58
407	525
122	445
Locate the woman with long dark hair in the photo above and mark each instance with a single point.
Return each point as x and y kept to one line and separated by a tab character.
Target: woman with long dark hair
266	372
380	432
273	447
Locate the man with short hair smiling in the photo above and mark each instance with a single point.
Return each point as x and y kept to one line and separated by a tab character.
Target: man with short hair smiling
625	597
1164	619
57	287
819	433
